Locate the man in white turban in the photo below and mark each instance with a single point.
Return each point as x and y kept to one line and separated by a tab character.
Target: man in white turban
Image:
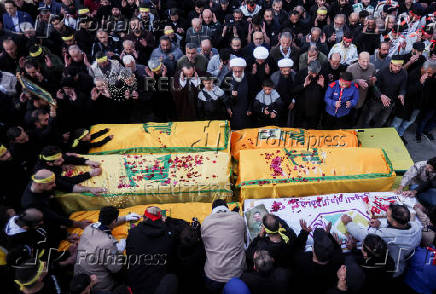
241	89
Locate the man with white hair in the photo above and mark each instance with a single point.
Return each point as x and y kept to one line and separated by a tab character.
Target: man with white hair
242	90
364	75
197	32
283	80
129	49
285	49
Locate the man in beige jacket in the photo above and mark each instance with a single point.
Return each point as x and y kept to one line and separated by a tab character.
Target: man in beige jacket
99	253
223	234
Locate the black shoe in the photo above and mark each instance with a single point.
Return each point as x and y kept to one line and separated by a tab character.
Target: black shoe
404	140
429	136
418	138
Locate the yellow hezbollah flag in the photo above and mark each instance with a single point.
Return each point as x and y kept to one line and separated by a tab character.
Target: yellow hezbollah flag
279	173
153	178
274	137
171	137
185	211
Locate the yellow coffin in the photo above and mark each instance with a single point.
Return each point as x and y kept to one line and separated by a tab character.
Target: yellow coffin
185	211
274	137
279	173
153	178
171	137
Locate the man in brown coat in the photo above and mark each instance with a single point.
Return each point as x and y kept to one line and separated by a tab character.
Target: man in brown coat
99	253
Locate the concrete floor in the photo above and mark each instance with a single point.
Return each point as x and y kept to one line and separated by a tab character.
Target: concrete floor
420	151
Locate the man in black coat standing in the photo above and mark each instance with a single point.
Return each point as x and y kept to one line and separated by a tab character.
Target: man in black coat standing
239	105
150	249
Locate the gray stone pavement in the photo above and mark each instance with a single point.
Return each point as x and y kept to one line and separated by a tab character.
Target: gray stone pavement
420	151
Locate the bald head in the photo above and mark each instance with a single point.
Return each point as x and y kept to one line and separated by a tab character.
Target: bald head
31	218
363	60
206	44
258	38
335	60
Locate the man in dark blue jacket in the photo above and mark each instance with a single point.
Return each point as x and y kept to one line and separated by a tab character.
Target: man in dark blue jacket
13	17
340	97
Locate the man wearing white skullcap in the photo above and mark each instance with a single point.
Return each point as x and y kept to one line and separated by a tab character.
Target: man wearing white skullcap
283	80
259	67
241	86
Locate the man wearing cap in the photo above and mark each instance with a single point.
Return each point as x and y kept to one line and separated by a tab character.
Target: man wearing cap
39	194
241	85
150	251
341	96
283	80
13	17
259	67
258	40
415	59
48	62
390	88
309	88
346	49
98	238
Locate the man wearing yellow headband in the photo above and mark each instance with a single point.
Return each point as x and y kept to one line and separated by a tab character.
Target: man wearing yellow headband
276	238
147	18
40	194
52	159
389	92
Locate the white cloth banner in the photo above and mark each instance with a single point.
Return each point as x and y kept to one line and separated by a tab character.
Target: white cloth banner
318	211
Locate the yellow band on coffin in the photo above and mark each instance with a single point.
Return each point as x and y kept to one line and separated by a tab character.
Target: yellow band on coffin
185	211
171	137
274	137
278	173
153	178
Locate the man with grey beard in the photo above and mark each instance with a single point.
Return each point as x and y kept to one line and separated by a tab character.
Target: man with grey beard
241	88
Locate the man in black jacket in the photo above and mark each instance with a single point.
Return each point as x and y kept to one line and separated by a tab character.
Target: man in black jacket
51	158
390	88
150	249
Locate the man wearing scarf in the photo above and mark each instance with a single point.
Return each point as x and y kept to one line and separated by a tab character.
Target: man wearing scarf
223	229
154	242
99	253
239	105
275	237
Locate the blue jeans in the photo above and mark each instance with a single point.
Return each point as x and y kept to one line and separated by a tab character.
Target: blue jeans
401	125
427	198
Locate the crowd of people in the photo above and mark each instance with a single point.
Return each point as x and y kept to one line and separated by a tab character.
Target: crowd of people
312	64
